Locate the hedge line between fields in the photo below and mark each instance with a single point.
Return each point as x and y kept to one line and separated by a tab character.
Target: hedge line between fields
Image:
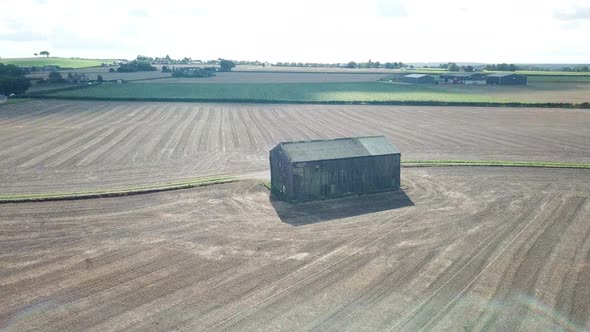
584	105
115	192
494	163
22	198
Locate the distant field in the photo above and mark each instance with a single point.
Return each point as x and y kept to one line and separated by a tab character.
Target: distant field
62	62
232	77
435	71
93	73
243	77
338	92
559	79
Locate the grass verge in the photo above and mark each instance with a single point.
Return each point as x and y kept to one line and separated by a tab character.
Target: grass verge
115	192
496	163
16	101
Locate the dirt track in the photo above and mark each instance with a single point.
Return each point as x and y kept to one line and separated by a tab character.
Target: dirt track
49	146
467	248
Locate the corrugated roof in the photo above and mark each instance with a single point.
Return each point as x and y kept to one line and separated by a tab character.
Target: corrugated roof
416	75
339	148
456	75
502	74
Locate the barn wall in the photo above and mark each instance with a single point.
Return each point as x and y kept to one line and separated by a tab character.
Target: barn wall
342	177
513	80
281	176
508	80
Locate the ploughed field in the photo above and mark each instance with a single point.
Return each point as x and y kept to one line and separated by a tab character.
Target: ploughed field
64	146
458	249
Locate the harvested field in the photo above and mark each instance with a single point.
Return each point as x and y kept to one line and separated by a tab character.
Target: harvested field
64	146
335	92
459	248
243	77
231	77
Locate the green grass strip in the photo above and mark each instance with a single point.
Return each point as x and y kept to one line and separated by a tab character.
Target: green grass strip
115	192
497	163
16	101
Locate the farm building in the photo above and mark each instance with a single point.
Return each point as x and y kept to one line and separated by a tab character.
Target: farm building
463	78
311	170
418	79
506	79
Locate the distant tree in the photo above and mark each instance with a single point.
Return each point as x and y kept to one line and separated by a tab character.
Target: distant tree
36	54
467	68
502	67
144	58
99	79
166	69
13	80
226	65
194	72
135	66
45	53
452	66
55	77
377	64
112	70
351	64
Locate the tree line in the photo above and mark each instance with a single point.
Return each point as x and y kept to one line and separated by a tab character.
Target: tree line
13	80
579	69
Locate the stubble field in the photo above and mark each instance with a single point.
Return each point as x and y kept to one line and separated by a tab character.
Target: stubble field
54	146
459	248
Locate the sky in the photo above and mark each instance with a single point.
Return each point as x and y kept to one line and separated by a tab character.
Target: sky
511	31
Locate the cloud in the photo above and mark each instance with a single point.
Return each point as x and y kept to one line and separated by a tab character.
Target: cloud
138	12
18	32
391	8
572	14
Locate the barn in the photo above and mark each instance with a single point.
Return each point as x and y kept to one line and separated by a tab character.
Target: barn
419	79
506	79
320	169
463	78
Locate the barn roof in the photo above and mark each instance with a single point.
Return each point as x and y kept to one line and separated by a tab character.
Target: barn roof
416	75
456	75
340	148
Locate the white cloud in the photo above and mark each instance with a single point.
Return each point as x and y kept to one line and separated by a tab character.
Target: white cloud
304	30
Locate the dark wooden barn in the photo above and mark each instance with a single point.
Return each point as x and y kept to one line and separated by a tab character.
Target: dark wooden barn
312	170
506	79
419	79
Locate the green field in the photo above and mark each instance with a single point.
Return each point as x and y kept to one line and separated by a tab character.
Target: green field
368	92
62	62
